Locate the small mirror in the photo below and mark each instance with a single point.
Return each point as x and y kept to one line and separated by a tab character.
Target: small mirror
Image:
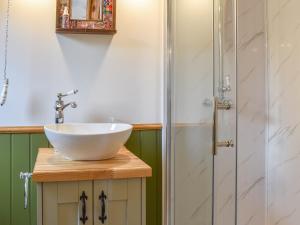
79	10
86	16
86	10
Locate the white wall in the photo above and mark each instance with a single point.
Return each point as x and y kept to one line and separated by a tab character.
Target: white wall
284	113
118	76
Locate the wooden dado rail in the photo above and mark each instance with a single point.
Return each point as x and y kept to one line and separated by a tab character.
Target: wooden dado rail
40	129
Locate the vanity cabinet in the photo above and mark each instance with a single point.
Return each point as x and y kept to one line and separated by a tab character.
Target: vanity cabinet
110	192
111	202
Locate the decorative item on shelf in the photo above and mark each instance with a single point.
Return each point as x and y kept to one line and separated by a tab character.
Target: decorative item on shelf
86	16
65	23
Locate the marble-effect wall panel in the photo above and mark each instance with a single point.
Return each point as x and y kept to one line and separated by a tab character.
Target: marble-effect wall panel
251	92
284	111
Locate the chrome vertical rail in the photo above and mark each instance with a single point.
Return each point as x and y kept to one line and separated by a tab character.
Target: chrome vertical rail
167	130
224	82
220	49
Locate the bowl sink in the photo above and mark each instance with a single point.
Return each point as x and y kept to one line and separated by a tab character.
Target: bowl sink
84	141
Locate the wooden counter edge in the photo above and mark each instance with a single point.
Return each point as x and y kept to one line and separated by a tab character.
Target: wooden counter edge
40	129
44	177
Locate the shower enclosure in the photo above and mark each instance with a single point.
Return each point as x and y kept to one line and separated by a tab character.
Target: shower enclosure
201	113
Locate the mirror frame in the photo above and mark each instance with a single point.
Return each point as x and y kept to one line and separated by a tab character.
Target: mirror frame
75	26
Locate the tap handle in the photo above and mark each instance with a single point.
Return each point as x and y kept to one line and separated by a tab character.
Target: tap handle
72	92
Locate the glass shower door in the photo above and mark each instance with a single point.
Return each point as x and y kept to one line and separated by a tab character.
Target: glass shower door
202	66
192	112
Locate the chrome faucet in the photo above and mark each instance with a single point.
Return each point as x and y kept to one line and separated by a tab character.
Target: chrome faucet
60	106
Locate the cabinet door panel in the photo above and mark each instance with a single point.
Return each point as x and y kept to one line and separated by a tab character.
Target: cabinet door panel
134	204
67	213
99	186
117	190
50	204
123	204
87	187
67	192
62	204
117	212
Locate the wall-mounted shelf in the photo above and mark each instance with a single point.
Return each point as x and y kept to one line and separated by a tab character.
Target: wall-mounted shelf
85	31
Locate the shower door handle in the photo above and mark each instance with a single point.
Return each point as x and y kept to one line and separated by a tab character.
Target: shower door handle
220	105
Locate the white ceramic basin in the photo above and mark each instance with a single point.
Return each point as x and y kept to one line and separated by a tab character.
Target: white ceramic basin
84	141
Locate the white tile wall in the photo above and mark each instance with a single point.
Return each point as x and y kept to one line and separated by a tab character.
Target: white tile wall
251	90
284	112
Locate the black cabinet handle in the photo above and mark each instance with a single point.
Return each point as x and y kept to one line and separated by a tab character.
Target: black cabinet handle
83	199
102	199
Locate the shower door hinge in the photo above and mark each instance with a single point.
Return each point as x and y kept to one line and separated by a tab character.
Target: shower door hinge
225	144
223	104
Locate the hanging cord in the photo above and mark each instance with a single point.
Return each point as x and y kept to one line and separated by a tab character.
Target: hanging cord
5	79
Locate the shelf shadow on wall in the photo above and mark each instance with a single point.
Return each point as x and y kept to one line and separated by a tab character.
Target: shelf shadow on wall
84	55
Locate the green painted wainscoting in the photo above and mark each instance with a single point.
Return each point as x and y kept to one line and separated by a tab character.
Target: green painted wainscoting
18	153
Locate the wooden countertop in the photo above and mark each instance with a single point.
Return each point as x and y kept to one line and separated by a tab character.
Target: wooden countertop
51	166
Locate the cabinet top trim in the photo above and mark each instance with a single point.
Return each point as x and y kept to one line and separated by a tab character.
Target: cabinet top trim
40	129
53	167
